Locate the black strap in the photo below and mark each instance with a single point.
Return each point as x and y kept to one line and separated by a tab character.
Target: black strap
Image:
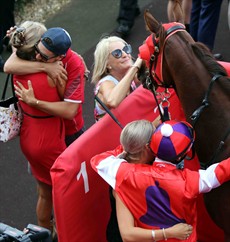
205	103
36	116
174	28
10	76
108	111
166	115
5	87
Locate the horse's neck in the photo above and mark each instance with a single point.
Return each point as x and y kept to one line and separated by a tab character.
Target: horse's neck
192	80
189	76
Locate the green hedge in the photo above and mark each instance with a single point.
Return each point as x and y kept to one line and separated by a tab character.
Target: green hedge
19	4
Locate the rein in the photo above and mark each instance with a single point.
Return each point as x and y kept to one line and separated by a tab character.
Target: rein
217	151
205	103
152	79
151	84
196	114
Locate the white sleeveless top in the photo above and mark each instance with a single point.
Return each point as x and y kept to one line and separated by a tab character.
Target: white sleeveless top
98	111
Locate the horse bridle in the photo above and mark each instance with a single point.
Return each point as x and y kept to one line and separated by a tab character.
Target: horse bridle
153	81
196	114
205	103
153	78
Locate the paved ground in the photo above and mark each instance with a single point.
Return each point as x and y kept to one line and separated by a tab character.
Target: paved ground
86	21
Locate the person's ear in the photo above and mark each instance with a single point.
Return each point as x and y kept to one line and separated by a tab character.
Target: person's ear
60	57
147	147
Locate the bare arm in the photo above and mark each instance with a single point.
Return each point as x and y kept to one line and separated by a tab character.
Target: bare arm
62	109
55	70
112	95
130	233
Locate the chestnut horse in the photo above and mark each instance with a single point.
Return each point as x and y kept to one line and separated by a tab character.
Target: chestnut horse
201	83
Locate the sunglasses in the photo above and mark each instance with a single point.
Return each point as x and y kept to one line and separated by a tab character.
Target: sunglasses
44	57
118	52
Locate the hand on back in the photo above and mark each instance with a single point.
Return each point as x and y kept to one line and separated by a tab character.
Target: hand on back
57	72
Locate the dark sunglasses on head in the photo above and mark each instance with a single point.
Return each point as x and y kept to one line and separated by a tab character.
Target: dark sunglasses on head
43	56
118	52
20	29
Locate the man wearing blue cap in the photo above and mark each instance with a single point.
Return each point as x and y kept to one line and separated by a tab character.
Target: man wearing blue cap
55	57
57	41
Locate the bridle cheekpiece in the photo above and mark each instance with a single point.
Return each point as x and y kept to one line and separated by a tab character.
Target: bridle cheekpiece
152	53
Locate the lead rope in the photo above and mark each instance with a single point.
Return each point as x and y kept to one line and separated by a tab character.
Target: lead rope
108	111
196	114
205	103
152	85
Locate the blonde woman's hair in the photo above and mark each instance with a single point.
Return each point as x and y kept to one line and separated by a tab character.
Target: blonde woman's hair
24	38
135	136
101	56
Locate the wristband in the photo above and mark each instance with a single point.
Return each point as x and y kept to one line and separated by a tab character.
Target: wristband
153	235
164	234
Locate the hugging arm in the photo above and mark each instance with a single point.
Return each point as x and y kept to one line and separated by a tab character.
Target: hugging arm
214	176
135	234
61	109
18	66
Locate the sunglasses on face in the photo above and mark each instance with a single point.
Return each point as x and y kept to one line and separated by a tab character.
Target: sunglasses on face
118	52
44	57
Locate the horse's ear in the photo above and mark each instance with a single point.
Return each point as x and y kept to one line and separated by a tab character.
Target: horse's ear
151	23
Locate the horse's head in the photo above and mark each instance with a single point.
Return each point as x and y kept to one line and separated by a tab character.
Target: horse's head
152	50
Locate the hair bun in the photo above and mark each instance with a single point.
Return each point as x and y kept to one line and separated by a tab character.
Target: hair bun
18	37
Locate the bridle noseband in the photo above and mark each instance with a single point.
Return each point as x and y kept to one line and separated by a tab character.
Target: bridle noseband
153	54
155	76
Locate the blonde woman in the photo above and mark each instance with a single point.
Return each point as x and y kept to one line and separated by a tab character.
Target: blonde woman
114	73
144	173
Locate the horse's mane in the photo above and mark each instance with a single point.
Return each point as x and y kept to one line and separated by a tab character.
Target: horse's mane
200	50
205	56
212	66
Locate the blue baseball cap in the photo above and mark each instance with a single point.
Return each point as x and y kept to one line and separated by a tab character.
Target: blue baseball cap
56	40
